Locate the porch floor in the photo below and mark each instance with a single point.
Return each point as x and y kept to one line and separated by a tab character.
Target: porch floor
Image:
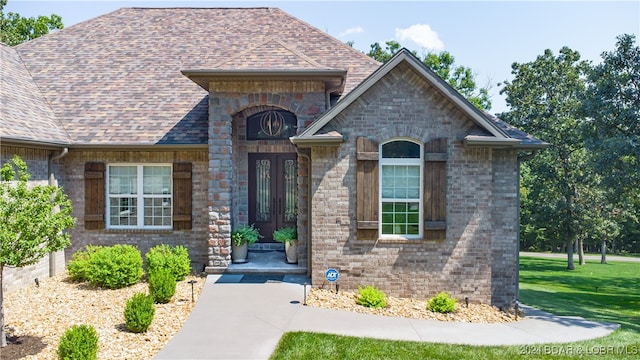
266	262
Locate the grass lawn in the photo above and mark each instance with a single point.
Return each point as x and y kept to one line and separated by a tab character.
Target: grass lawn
609	292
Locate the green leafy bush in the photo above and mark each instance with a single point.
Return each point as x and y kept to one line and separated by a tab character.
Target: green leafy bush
372	297
245	234
286	234
162	285
441	303
79	265
139	312
115	267
78	342
176	259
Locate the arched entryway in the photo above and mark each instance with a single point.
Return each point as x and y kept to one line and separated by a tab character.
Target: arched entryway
269	197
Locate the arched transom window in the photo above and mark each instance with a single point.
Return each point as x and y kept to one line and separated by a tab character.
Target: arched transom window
271	124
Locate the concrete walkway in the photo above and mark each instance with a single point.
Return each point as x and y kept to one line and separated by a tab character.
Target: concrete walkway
234	320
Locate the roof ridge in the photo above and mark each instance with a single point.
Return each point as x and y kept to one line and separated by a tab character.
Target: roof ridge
330	37
297	52
267	40
195	7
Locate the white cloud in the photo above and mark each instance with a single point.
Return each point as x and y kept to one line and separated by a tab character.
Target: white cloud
352	30
421	34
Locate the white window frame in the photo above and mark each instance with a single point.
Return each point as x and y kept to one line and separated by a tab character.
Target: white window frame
139	196
401	161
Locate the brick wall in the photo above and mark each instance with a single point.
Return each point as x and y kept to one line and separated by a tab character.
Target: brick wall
402	105
195	240
505	242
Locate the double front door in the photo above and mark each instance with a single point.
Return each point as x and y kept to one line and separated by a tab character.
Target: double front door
273	192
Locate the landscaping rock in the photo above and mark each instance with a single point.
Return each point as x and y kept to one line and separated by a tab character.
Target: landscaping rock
408	308
37	316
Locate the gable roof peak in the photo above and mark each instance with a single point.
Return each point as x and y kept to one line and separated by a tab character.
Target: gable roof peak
405	56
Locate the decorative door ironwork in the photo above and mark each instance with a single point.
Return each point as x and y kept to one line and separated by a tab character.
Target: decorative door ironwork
273	192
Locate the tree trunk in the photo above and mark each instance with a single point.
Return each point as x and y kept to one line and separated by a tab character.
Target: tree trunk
570	265
603	250
3	336
581	251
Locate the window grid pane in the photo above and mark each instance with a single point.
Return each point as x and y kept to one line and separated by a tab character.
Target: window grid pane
122	211
400	218
123	180
401	182
157	180
151	208
157	212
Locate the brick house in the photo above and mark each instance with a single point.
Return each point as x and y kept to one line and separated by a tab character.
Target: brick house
213	118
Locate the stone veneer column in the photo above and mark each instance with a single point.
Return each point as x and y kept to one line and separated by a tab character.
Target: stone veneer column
220	190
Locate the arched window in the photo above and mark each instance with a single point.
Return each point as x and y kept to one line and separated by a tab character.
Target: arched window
401	189
271	124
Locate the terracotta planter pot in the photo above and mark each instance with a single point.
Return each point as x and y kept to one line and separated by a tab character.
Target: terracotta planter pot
290	248
239	253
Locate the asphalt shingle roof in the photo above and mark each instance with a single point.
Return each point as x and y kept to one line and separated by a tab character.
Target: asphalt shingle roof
116	80
24	113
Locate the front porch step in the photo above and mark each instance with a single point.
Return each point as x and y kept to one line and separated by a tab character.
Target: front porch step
235	269
266	262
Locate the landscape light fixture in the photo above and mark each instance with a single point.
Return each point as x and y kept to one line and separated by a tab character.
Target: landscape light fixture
305	294
192	282
466	301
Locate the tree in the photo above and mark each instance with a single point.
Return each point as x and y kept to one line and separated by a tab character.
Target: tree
544	100
612	104
15	29
459	77
34	220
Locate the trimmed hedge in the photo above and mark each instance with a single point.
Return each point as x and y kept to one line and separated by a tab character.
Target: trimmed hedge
139	312
115	267
78	342
442	303
372	297
162	285
176	259
79	265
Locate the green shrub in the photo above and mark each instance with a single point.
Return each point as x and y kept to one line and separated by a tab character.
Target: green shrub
115	267
78	342
138	312
79	265
286	234
162	285
248	234
372	297
441	303
175	259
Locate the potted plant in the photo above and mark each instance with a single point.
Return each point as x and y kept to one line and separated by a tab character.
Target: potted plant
241	238
288	236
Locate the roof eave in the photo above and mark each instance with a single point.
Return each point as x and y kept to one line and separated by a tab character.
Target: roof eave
10	141
486	141
146	147
318	140
333	78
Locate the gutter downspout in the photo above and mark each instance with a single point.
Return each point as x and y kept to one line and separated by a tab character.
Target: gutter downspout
327	95
53	182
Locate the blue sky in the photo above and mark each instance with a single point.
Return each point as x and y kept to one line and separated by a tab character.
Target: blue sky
487	36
